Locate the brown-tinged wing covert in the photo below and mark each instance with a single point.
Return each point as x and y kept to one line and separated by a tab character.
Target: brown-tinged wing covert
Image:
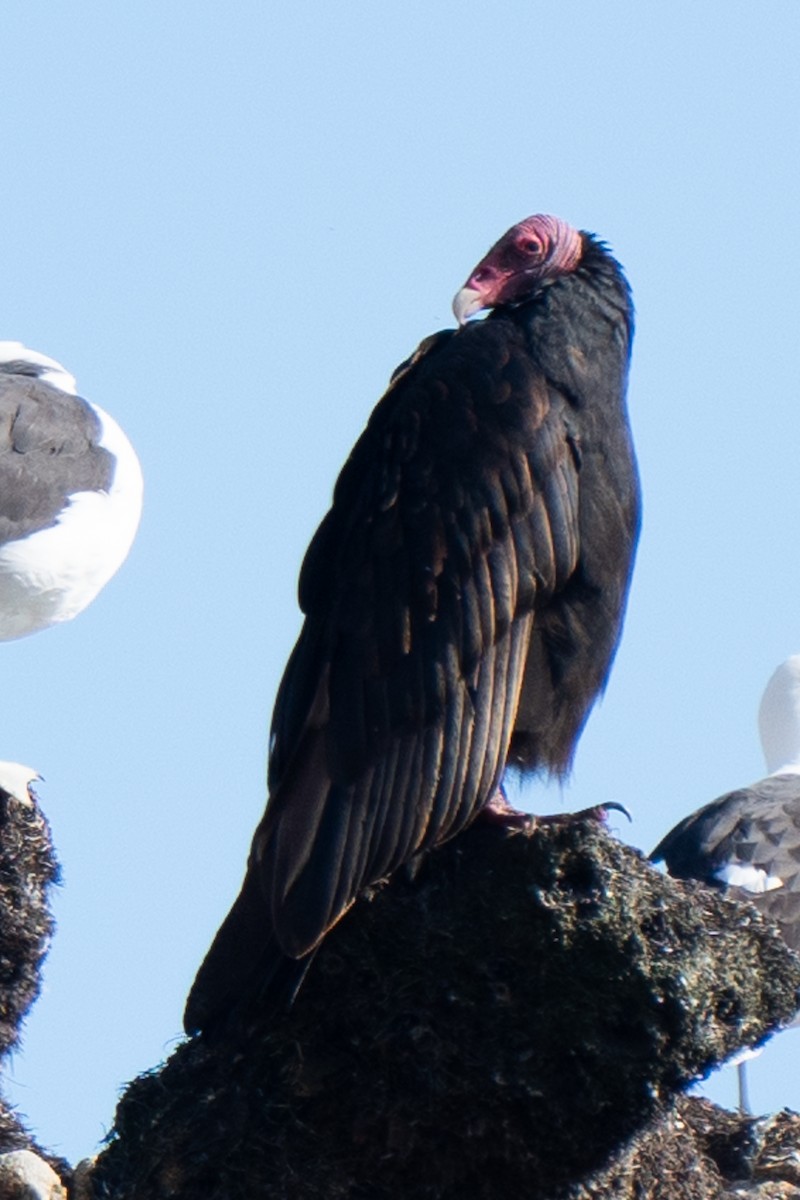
454	516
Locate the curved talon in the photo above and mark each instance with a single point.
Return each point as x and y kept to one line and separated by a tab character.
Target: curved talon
602	809
597	812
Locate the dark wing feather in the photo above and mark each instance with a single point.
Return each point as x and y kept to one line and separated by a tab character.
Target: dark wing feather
453	520
413	619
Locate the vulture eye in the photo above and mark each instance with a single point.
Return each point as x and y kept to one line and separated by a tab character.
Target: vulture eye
530	245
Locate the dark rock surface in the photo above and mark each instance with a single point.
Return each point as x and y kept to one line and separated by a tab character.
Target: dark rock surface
514	1021
28	871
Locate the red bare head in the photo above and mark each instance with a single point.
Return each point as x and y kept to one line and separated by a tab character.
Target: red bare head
537	249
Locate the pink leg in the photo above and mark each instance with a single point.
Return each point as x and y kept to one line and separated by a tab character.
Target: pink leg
499	812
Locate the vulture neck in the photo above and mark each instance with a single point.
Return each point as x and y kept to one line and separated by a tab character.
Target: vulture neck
779	719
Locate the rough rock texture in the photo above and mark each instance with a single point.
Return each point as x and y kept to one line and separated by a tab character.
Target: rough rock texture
28	871
514	1021
697	1151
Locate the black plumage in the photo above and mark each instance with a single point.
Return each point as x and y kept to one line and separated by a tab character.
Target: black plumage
463	597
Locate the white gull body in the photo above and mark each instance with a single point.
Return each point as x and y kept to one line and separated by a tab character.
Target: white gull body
70	494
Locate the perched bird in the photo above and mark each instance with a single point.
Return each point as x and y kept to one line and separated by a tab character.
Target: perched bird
28	869
463	598
28	872
70	494
748	841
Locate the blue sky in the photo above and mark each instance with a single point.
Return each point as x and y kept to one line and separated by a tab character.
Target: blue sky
231	223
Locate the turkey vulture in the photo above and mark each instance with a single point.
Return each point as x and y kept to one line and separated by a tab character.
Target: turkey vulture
748	841
463	598
70	494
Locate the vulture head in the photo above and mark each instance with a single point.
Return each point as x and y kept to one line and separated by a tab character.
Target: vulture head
531	253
